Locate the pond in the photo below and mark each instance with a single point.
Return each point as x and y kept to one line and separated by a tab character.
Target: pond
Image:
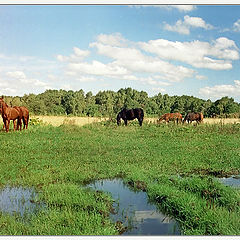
19	200
233	181
137	214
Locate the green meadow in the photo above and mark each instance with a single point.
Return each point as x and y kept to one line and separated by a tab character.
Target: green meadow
176	164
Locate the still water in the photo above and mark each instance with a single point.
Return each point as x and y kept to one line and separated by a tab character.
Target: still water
135	211
19	200
233	181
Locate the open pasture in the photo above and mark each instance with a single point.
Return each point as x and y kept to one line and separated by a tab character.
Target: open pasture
176	164
80	121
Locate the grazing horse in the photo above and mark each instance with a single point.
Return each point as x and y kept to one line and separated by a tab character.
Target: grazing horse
171	117
9	113
24	116
130	114
193	116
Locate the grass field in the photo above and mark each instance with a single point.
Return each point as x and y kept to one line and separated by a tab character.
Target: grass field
176	164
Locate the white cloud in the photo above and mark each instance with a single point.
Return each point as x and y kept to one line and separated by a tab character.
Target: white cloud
97	68
78	55
195	53
181	8
219	91
115	39
183	27
17	82
87	79
236	26
159	90
201	77
185	8
179	27
21	78
134	61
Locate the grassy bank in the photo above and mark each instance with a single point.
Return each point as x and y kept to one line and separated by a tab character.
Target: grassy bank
175	164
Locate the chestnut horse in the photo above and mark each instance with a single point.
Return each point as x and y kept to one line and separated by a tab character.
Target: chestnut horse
171	117
24	116
9	113
193	116
130	115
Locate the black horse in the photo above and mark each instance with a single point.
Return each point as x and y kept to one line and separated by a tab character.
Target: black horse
130	114
193	116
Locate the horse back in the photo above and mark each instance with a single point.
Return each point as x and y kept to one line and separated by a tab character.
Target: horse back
12	113
25	111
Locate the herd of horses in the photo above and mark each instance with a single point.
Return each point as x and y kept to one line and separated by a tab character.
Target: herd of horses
14	113
22	114
130	114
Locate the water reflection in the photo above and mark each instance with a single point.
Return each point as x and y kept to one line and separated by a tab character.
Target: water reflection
233	181
18	200
135	211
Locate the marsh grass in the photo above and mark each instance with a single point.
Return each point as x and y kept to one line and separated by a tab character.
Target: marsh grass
174	162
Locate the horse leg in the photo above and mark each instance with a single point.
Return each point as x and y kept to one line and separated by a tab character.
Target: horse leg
4	125
19	124
125	121
7	125
140	121
26	122
14	125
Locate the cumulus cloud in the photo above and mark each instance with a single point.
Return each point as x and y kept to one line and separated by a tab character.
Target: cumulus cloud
219	91
115	39
125	61
217	55
78	55
236	26
183	27
181	8
97	68
134	61
17	82
155	63
184	8
21	78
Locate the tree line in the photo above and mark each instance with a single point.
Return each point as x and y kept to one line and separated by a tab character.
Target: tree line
108	103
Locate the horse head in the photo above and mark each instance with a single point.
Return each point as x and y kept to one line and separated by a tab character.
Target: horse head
119	118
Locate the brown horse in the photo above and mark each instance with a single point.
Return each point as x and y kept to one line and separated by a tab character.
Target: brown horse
9	113
171	117
24	116
193	116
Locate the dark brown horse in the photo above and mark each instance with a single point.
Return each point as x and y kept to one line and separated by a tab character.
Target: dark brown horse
171	117
9	113
24	116
193	116
130	114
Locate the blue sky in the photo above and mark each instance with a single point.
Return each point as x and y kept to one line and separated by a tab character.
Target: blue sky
178	50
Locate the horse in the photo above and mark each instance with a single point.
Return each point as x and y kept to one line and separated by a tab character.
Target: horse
171	117
25	116
193	116
130	114
9	113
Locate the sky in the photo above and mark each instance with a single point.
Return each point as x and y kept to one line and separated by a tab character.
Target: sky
168	49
